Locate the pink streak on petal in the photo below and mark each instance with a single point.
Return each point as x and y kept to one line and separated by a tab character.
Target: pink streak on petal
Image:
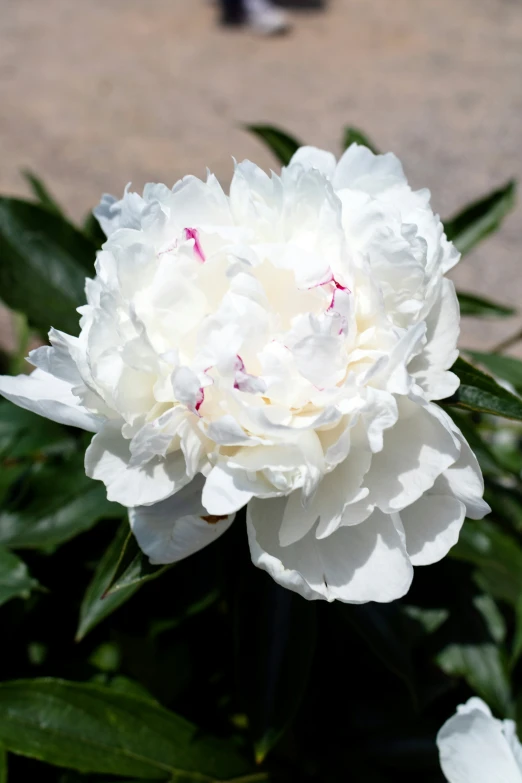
239	367
243	379
168	249
193	233
329	279
339	286
200	399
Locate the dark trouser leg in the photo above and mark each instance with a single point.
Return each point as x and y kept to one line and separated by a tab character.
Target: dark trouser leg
232	11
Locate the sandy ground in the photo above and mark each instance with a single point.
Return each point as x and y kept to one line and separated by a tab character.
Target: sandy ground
95	93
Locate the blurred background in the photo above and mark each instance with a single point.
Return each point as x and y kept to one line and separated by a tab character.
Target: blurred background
95	94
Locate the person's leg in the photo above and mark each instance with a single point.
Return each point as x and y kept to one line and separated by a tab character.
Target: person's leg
264	17
232	11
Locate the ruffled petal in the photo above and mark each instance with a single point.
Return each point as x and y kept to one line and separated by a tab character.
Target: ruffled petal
50	397
473	748
360	169
366	562
417	449
313	158
226	490
432	525
108	459
464	480
178	526
430	367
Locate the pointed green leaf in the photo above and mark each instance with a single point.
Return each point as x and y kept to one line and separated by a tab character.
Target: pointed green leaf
96	604
42	195
497	556
477	306
506	367
43	264
55	502
480	392
484	669
479	219
472	654
282	145
134	568
355	136
91	728
15	580
275	644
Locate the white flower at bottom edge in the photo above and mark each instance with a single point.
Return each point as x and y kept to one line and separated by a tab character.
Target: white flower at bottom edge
281	346
474	747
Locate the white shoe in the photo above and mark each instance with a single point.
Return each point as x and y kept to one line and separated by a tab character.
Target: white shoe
265	18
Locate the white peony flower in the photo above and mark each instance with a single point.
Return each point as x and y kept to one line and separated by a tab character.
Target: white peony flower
281	346
474	747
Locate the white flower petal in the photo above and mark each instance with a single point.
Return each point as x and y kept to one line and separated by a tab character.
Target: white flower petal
464	480
366	562
108	459
431	366
313	158
225	491
473	748
178	526
48	396
417	449
432	525
360	169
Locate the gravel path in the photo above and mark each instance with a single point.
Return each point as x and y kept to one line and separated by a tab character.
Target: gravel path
96	93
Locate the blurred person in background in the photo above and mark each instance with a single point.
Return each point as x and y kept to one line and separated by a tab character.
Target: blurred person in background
261	15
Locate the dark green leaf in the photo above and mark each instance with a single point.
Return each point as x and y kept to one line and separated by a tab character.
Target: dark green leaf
492	617
506	503
192	610
505	367
355	136
94	231
24	434
43	264
479	219
41	193
382	628
480	392
472	653
133	568
428	619
484	669
487	459
516	650
55	502
282	145
275	644
95	729
497	556
15	580
96	604
477	306
3	766
131	688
